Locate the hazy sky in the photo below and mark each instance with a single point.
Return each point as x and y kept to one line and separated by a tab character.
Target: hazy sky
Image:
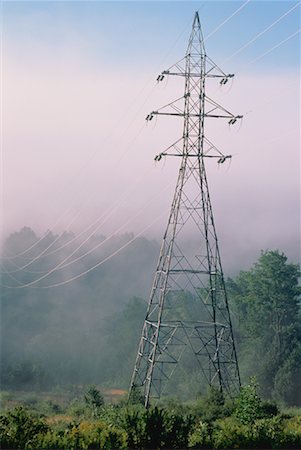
78	79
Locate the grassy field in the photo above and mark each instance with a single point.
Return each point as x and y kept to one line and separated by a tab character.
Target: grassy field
77	418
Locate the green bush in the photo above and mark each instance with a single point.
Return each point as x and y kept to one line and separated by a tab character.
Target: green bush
134	427
268	433
132	420
213	406
176	429
83	436
229	433
19	427
249	405
200	437
291	433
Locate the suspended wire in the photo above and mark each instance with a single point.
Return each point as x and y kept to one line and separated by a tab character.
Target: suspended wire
61	264
273	48
104	217
52	252
108	257
95	265
108	213
226	20
44	252
69	209
257	36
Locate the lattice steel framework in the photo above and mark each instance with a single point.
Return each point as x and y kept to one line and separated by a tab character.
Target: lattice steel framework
180	271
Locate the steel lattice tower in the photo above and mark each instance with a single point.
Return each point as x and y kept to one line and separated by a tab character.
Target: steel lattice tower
196	273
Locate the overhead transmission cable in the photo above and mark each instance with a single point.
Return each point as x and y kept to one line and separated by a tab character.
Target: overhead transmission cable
261	33
100	221
60	264
108	257
226	20
76	175
273	48
108	213
138	96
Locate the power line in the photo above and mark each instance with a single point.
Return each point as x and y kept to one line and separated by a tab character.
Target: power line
257	36
273	48
61	264
95	265
226	20
103	218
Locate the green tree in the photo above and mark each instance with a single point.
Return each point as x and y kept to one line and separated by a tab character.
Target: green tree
266	306
94	400
249	404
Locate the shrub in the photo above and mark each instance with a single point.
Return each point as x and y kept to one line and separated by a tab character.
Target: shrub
268	433
228	433
19	427
132	420
213	406
176	429
94	401
291	437
83	436
200	437
249	406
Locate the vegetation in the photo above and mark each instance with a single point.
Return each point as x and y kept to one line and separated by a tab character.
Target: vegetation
266	306
42	348
243	424
46	366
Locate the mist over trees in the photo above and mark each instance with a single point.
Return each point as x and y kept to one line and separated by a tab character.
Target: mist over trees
59	335
87	331
266	305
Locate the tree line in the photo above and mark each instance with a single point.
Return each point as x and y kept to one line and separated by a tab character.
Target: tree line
88	333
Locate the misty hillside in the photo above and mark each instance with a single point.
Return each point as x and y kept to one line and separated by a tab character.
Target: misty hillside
55	259
58	332
48	326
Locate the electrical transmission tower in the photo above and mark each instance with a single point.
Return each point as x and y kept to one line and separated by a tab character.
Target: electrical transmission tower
188	275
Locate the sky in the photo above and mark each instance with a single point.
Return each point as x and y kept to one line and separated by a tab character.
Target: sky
78	79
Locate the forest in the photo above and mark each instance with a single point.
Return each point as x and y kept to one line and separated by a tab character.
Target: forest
67	352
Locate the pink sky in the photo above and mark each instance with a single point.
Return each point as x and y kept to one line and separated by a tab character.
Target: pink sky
59	110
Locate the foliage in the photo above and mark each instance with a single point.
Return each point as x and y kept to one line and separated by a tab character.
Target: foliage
53	352
212	406
200	436
94	401
264	301
266	306
155	427
19	427
249	404
133	427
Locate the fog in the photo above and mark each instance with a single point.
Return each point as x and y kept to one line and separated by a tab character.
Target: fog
76	147
85	205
